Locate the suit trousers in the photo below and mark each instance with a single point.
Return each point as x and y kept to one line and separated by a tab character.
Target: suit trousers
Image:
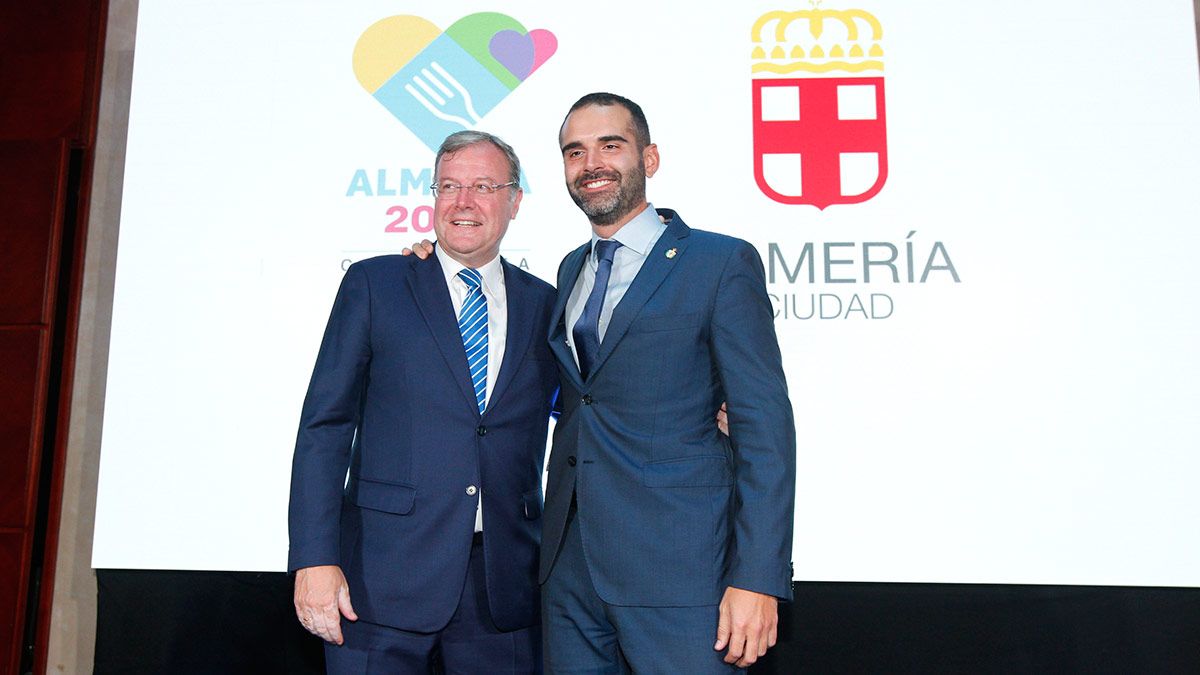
584	634
469	644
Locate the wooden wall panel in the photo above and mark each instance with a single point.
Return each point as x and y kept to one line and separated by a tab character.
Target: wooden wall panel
21	401
44	67
50	56
46	26
12	600
33	174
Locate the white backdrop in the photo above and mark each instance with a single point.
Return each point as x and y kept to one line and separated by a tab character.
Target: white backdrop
1026	417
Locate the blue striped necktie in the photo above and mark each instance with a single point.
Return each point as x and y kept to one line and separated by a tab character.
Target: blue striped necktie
473	324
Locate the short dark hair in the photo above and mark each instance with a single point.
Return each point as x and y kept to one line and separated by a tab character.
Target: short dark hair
602	98
465	139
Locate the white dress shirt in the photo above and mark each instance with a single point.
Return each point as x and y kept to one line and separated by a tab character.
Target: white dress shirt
637	238
497	311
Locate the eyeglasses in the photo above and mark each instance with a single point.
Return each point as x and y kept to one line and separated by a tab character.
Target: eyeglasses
448	190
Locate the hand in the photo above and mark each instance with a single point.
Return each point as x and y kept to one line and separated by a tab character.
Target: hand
723	420
321	592
747	625
422	249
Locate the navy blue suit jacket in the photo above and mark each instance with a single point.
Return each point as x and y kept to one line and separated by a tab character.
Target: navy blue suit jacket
391	402
671	511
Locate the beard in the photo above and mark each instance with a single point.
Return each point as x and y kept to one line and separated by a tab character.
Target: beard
609	207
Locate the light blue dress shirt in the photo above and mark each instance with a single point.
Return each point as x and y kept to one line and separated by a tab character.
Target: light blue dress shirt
637	238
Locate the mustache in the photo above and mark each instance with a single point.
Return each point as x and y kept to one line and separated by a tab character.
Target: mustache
597	175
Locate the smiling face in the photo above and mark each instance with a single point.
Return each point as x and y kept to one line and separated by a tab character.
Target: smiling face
605	169
469	225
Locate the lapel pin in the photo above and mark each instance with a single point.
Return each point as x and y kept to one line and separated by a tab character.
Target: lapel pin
671	253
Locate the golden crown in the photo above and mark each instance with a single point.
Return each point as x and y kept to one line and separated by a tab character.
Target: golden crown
845	40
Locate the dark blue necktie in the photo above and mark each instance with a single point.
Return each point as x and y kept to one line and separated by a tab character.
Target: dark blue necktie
587	329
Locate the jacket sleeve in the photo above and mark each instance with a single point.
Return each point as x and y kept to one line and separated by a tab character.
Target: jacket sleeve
761	428
328	421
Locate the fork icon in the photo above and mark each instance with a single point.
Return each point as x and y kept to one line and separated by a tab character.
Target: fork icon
444	105
442	90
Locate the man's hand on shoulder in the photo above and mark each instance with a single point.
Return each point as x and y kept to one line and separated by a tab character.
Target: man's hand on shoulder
322	598
747	625
422	249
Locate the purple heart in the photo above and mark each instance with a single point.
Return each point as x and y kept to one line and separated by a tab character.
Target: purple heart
514	51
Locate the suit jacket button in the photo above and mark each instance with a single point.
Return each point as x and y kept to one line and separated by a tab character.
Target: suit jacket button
571	460
471	490
481	430
587	399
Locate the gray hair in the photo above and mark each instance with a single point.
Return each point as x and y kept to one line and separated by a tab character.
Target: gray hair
465	139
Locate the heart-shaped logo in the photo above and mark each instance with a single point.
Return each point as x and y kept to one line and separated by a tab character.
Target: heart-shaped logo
521	53
439	82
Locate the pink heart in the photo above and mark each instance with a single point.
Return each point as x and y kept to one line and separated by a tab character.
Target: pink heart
522	54
544	46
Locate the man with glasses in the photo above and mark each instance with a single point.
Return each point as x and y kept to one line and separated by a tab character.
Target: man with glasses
432	388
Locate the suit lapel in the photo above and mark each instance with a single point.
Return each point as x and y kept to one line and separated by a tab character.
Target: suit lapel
654	271
428	284
517	337
567	277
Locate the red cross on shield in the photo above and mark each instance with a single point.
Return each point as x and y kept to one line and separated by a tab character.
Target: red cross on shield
820	141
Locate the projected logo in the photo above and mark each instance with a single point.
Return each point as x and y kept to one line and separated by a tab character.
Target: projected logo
819	139
439	82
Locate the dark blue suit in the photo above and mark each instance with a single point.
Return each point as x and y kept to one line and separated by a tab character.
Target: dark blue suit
391	401
671	512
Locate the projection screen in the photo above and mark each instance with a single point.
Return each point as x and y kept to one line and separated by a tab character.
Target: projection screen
978	222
